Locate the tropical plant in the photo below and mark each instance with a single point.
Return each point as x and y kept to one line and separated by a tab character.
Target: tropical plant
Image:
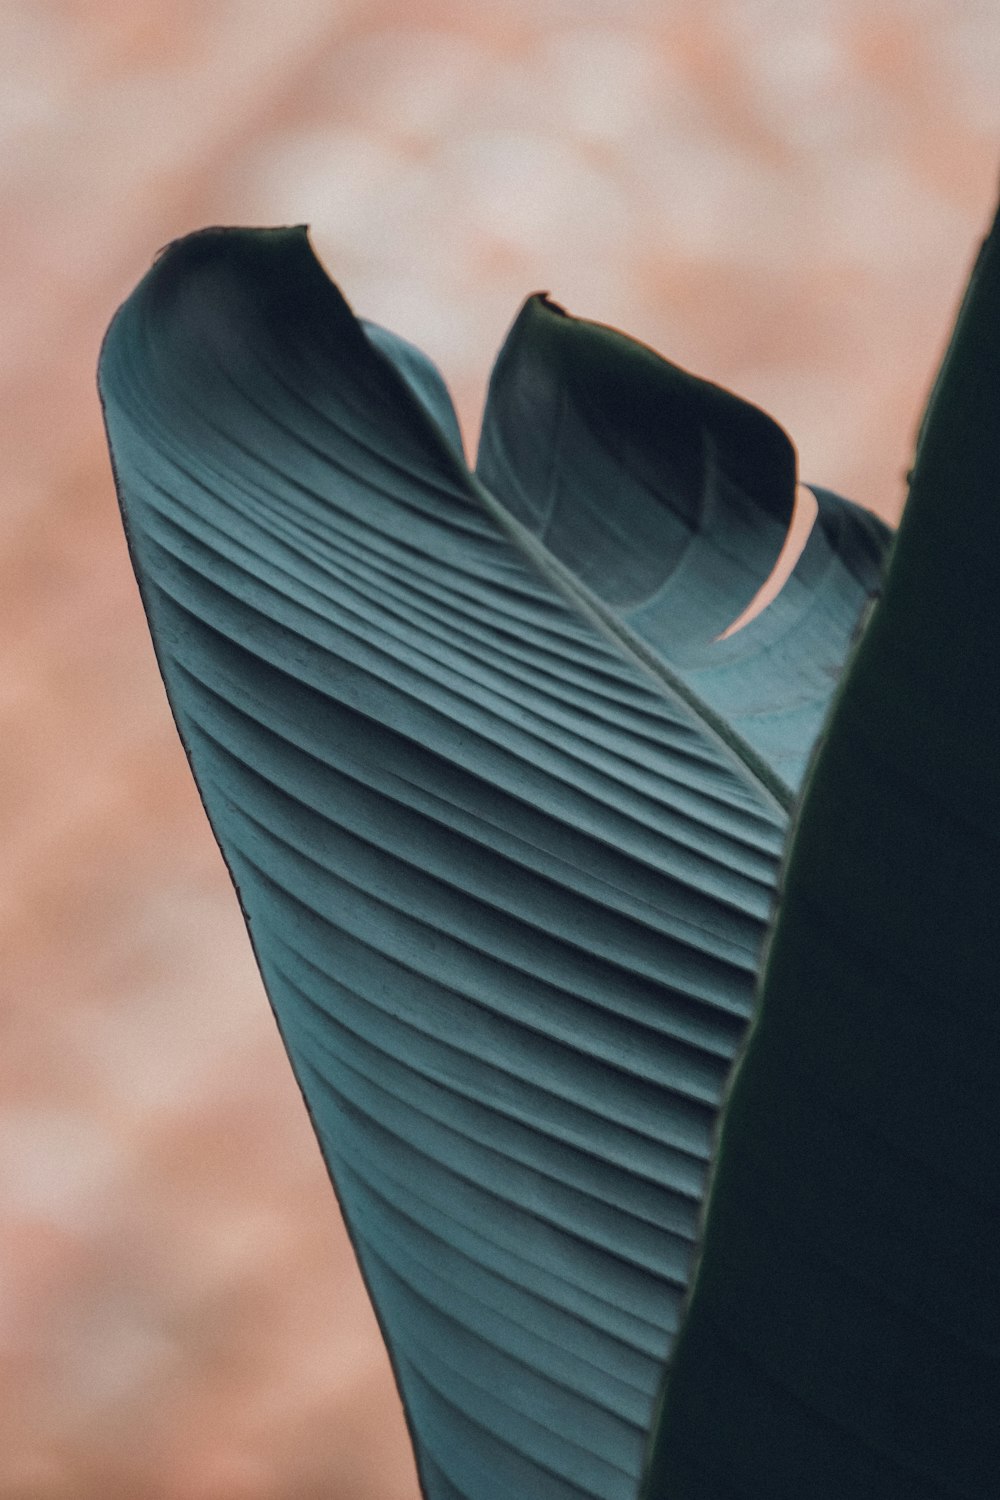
505	807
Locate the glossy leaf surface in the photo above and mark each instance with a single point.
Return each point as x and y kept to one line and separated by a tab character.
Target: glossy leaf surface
505	873
843	1337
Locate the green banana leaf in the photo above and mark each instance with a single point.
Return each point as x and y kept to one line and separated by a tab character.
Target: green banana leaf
671	498
843	1336
504	819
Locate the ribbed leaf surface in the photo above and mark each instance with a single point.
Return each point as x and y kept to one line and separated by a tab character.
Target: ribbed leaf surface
843	1338
506	880
703	486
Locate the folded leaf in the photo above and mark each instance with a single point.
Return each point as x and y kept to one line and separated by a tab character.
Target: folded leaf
505	873
703	487
843	1336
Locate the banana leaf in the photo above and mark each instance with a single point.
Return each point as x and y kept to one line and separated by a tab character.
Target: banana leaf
843	1335
503	815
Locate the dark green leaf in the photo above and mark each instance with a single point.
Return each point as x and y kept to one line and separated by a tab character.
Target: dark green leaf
422	377
703	487
505	875
843	1337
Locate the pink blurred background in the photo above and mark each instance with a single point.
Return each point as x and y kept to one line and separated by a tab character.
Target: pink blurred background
783	197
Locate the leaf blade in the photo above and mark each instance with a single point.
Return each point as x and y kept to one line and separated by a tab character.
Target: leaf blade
489	884
849	1341
487	844
684	535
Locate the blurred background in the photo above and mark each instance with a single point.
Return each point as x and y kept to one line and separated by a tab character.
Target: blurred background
783	197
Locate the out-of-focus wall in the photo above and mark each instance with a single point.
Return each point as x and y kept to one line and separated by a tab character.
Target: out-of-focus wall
783	197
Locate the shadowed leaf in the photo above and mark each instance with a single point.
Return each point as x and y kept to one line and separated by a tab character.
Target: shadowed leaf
843	1337
702	486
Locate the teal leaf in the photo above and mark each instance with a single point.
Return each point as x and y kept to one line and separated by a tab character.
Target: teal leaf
505	872
843	1335
421	376
703	487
